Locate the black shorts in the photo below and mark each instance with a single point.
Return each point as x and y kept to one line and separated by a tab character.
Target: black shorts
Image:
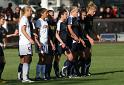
81	47
62	50
75	47
1	51
87	43
69	42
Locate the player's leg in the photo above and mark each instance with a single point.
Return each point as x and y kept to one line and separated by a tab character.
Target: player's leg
2	61
20	68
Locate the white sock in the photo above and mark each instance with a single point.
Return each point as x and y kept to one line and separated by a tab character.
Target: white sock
19	74
38	70
43	67
25	71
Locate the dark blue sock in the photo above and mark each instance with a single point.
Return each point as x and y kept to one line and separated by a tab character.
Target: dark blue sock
87	65
1	68
83	67
20	67
69	68
48	70
56	68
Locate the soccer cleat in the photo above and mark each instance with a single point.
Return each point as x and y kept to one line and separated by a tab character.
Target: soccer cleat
2	81
27	81
38	79
70	76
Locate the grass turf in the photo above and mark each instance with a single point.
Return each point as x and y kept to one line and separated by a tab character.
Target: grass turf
107	67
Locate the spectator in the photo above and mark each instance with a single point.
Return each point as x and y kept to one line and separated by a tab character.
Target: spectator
115	11
108	12
16	15
9	12
101	12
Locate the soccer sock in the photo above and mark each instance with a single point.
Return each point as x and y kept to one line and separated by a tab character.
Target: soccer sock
56	68
83	67
87	65
43	67
20	67
76	68
69	68
25	70
64	68
48	70
20	71
66	63
38	70
1	68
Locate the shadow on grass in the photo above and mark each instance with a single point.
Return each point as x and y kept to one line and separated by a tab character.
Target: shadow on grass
60	81
109	72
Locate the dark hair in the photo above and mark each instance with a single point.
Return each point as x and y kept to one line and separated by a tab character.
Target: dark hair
9	4
81	11
61	12
50	11
40	12
1	16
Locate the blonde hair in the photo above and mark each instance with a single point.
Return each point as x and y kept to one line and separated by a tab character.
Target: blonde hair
26	8
91	5
73	8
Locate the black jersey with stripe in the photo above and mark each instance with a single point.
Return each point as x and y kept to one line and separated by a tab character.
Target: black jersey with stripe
75	25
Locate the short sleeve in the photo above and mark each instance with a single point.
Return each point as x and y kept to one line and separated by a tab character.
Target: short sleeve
38	24
69	20
58	26
24	21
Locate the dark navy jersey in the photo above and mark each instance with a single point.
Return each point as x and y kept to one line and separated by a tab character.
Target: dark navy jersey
3	34
89	25
52	28
82	29
62	28
75	25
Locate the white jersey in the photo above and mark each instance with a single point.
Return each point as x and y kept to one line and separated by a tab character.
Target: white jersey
22	39
43	27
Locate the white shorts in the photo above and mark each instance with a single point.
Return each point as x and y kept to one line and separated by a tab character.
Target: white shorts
25	49
44	48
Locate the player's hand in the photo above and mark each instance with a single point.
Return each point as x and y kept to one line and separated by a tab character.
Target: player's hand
83	43
4	46
31	41
63	45
16	33
39	45
53	47
91	41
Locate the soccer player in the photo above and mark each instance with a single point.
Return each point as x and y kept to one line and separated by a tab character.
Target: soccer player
89	32
62	35
3	34
73	28
42	42
51	48
25	42
81	62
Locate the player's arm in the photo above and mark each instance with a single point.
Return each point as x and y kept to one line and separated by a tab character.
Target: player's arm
73	35
36	37
23	29
90	39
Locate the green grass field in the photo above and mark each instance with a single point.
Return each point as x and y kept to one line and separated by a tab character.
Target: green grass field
107	67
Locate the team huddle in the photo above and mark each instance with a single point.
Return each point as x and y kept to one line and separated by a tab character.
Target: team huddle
70	34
